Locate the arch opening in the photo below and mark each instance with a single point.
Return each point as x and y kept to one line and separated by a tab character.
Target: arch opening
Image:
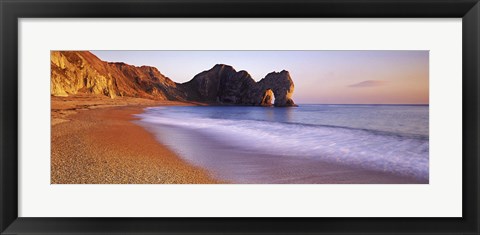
268	98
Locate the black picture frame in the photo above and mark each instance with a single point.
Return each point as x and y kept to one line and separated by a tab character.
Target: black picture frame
12	10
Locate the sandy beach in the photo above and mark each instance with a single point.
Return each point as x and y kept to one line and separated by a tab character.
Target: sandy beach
94	141
250	131
98	140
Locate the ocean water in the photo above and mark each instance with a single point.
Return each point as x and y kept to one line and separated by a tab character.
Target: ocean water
252	144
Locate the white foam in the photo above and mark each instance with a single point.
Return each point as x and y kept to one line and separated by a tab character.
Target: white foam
385	152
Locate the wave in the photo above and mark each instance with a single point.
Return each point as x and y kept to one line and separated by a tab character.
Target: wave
402	155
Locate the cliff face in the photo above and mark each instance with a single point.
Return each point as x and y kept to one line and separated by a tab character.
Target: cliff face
74	72
222	84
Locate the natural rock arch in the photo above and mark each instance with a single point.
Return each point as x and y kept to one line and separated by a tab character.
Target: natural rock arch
223	85
278	85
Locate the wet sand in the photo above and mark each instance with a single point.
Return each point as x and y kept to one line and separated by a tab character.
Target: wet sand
94	141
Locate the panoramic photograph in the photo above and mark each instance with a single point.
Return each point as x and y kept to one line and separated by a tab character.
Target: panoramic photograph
239	117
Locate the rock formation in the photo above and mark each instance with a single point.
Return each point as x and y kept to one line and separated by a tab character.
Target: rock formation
223	85
279	85
74	72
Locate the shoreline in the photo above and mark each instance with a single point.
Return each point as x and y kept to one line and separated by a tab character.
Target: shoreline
98	140
94	141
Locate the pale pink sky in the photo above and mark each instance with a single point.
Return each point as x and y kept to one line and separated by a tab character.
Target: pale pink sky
323	77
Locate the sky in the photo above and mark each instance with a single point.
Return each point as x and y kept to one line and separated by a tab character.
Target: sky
320	77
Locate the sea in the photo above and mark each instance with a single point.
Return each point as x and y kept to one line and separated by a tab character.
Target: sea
311	143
